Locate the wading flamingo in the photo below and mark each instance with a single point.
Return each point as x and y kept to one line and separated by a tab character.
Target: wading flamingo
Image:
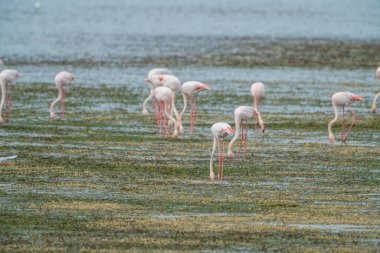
62	79
153	72
242	115
219	131
378	94
7	77
164	97
191	88
343	99
258	92
169	81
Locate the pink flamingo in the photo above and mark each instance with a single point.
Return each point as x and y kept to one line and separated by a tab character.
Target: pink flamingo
219	131
7	76
343	99
191	88
378	94
242	114
169	81
258	92
62	79
165	97
153	72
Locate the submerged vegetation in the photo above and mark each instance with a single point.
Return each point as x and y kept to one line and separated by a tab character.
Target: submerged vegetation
102	179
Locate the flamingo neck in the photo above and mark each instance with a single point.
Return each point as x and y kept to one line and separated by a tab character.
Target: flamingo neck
255	103
374	101
3	94
334	119
236	136
184	104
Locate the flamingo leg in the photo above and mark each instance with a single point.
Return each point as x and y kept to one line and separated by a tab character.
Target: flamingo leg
165	123
63	103
343	125
352	124
154	106
222	168
241	138
219	161
5	103
10	104
193	113
245	138
158	118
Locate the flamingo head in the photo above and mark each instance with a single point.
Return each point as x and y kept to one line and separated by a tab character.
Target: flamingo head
155	80
332	138
72	78
356	98
202	86
18	75
228	130
374	109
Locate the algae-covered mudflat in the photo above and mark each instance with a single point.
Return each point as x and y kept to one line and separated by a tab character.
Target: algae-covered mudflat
102	180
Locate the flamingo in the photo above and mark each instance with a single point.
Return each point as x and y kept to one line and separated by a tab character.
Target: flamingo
191	88
153	72
242	114
343	99
169	81
62	79
165	97
7	76
258	92
378	94
219	131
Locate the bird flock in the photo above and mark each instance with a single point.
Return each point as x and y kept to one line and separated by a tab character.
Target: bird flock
163	89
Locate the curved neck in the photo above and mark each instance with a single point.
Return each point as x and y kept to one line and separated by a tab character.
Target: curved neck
3	95
335	117
184	104
175	108
255	103
237	134
374	101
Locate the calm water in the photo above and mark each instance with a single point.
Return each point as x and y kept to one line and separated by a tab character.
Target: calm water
106	31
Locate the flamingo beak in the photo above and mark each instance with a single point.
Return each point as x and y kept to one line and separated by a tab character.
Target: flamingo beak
18	75
147	80
207	87
230	131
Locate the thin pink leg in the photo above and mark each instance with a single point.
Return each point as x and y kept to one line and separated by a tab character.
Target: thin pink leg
6	103
241	138
352	124
219	161
166	123
222	167
245	138
159	118
10	104
63	104
343	125
192	115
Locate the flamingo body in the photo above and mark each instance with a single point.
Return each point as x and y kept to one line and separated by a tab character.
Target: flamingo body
191	88
342	99
7	76
219	132
165	99
151	73
62	79
243	114
258	93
